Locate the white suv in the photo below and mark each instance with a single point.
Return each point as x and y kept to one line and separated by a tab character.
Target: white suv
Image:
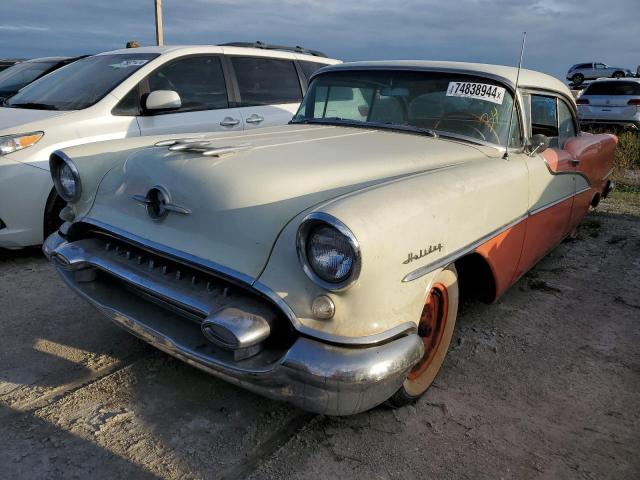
132	93
610	102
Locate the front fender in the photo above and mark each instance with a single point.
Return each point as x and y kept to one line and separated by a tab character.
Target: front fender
403	226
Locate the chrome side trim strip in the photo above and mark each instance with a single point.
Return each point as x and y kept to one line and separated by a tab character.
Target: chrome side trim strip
248	281
447	259
552	204
608	174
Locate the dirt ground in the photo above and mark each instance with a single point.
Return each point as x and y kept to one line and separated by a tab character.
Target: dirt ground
545	383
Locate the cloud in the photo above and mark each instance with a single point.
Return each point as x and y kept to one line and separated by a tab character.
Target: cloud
20	28
560	33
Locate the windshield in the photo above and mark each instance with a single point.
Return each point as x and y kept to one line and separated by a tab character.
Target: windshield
440	103
80	84
17	76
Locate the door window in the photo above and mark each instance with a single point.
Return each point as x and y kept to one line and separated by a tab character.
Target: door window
310	67
544	116
199	81
566	124
266	81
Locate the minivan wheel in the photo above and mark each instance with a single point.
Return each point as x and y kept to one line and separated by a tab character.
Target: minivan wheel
436	325
577	78
618	75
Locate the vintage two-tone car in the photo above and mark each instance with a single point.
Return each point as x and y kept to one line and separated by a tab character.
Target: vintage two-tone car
322	262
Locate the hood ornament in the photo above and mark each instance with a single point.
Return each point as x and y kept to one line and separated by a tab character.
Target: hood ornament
158	204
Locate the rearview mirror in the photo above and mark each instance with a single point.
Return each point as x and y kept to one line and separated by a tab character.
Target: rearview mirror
163	100
538	144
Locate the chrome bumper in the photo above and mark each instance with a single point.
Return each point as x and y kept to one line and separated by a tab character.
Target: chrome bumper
311	374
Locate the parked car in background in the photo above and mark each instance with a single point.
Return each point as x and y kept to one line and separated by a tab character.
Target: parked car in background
131	93
22	74
611	103
322	262
589	71
6	63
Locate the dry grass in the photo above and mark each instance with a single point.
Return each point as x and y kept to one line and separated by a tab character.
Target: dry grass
627	156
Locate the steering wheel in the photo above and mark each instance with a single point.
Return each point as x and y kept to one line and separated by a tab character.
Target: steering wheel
464	116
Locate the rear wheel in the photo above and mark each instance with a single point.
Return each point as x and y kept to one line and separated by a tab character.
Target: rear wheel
577	78
437	322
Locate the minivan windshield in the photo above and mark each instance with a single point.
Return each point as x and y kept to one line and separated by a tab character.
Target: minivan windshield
432	103
80	84
17	76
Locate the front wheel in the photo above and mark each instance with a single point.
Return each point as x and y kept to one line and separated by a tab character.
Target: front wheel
618	75
437	322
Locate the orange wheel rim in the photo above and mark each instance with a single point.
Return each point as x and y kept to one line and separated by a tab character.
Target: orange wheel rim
431	327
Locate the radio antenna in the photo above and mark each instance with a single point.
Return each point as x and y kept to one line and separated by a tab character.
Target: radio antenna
515	98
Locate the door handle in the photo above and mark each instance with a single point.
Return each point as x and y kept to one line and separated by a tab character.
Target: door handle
255	119
229	122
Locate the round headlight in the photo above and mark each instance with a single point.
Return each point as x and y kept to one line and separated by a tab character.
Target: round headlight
329	252
65	177
67	181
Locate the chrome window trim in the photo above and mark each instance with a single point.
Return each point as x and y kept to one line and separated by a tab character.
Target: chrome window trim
247	281
304	229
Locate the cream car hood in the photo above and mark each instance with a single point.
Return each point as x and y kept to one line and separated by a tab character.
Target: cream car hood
22	120
239	203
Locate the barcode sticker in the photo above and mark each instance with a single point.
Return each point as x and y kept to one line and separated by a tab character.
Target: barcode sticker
480	91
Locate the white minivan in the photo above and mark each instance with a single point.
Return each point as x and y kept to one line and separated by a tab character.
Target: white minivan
130	93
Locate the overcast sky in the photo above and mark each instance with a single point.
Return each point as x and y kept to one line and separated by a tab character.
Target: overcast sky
559	33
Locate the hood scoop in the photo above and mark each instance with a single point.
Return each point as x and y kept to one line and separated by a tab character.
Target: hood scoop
203	147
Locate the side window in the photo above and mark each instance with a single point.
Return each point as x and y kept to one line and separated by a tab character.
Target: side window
310	67
266	81
198	80
544	117
600	65
129	105
585	65
566	123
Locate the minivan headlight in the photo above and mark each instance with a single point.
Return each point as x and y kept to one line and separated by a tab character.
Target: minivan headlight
328	251
13	143
65	176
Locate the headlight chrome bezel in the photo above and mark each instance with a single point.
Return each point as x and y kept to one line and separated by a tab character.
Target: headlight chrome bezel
309	223
57	161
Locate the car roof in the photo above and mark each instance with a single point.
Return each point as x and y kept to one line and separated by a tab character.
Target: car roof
612	79
48	59
231	50
528	78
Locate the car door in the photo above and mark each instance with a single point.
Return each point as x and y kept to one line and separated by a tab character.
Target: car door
269	89
200	82
551	182
600	70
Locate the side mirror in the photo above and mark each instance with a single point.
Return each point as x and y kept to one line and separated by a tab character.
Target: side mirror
538	144
163	100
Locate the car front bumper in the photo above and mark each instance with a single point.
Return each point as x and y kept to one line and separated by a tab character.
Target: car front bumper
311	374
24	190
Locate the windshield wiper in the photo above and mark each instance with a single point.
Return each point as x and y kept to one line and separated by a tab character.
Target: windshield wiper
32	105
358	123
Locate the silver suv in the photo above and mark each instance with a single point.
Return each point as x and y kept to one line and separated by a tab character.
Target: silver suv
589	71
611	102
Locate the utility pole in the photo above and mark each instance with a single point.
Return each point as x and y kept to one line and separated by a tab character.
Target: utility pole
159	31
